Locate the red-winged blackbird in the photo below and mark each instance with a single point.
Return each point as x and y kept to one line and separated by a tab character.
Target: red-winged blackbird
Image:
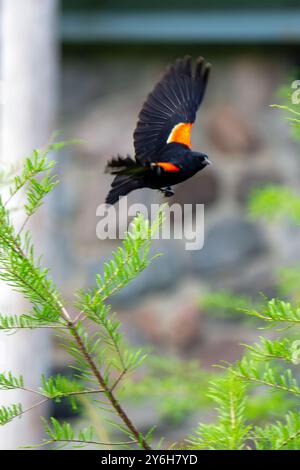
163	155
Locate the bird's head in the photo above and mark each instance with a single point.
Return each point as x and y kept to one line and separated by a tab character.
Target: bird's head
202	159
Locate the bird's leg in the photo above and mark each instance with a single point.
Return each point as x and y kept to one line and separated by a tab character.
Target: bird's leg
168	191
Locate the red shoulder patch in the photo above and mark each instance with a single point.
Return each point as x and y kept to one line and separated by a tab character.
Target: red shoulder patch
168	166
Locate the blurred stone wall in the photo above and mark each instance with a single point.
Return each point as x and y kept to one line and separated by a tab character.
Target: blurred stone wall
249	144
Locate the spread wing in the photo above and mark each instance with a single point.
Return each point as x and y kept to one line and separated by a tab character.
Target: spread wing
170	109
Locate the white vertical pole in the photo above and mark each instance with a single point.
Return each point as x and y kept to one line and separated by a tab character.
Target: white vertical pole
28	108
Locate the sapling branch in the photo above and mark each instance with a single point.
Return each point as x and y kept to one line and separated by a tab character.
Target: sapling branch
78	441
119	379
35	405
111	397
20	269
289	439
263	382
52	301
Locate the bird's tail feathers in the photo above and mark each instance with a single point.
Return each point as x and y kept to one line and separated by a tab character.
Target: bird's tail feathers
124	166
128	177
121	186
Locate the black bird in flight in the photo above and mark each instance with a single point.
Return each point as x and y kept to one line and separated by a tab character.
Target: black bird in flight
163	155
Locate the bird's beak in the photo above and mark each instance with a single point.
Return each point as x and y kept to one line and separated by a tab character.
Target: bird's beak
207	161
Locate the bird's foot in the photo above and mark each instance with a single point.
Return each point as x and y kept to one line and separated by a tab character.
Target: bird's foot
167	192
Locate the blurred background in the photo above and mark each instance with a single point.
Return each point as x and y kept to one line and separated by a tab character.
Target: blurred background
87	67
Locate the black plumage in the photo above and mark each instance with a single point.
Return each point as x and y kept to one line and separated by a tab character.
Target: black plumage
163	155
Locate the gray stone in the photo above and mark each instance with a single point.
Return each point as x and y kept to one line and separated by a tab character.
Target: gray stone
230	132
228	245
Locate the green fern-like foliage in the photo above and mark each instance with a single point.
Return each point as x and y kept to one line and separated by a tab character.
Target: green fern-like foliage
8	413
231	430
256	400
269	370
284	435
102	359
9	382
